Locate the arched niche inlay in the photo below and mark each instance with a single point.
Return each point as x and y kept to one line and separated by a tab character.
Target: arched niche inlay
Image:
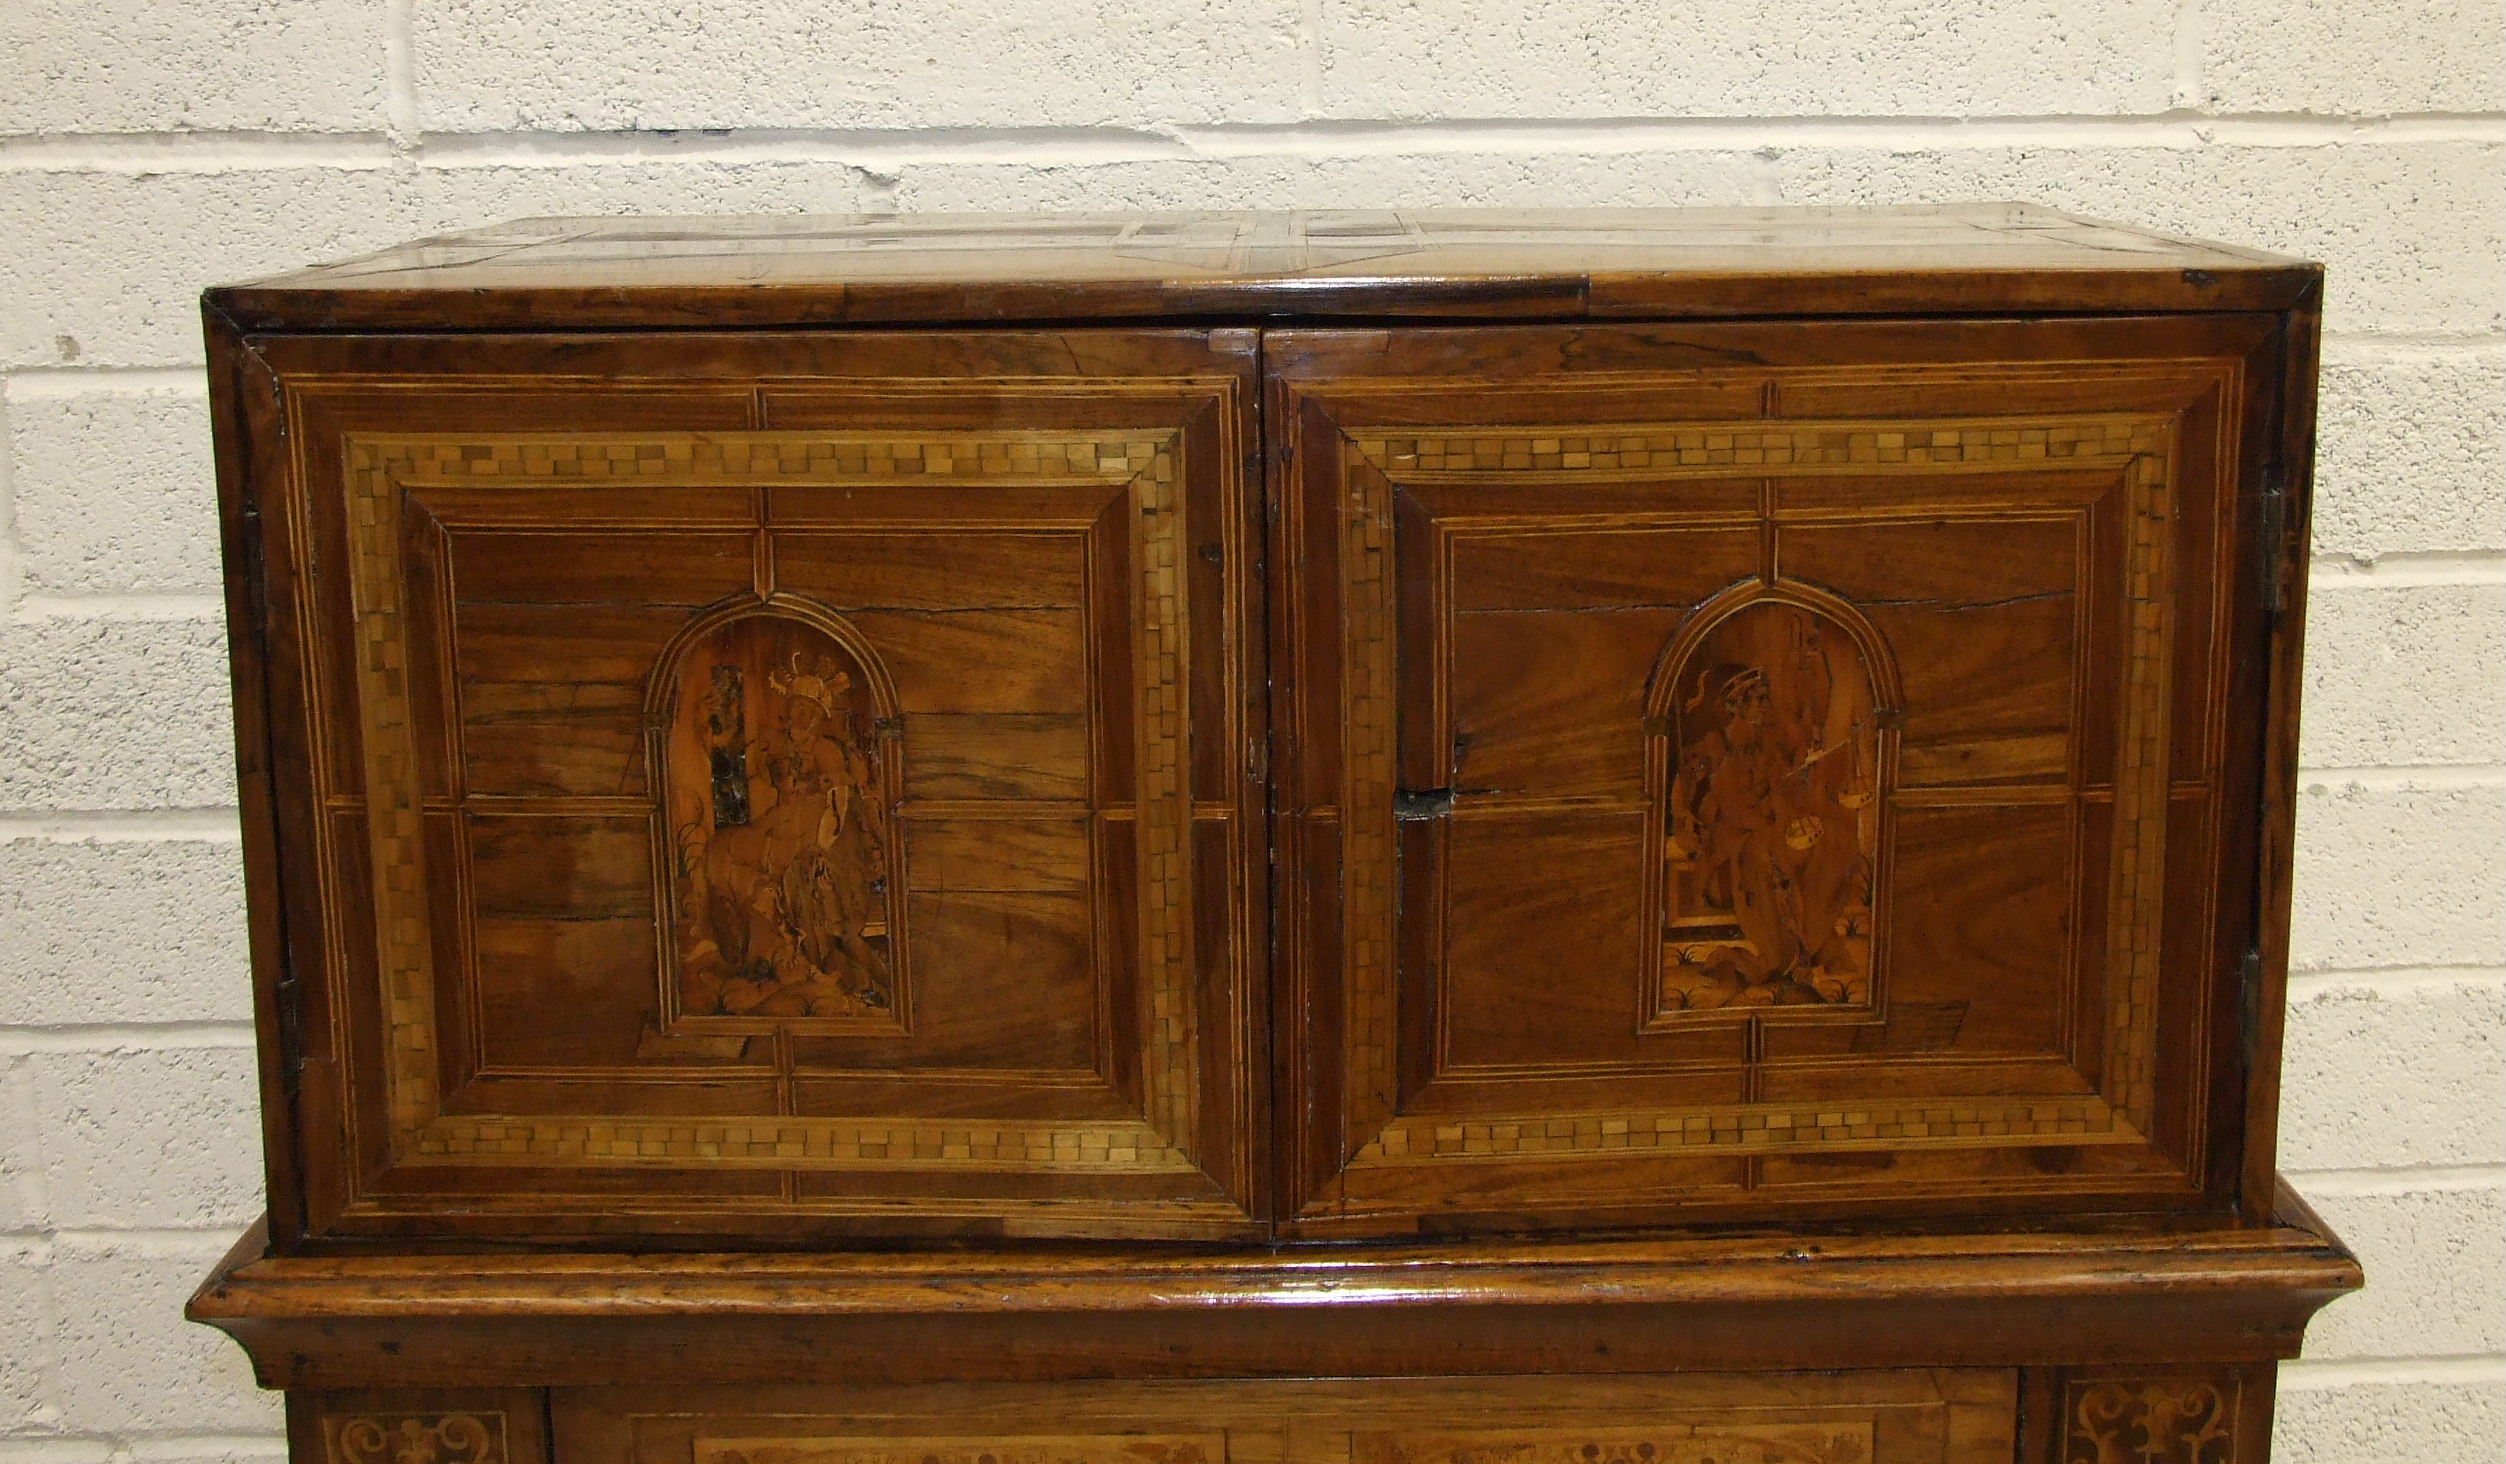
783	877
1773	712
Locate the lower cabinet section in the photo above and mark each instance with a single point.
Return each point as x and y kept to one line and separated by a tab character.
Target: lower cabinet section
1915	1416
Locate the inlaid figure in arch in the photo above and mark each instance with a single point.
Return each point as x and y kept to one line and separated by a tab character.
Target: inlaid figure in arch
1772	826
779	833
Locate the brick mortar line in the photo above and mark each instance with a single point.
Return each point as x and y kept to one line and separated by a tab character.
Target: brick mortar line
2408	569
2397	980
2334	575
168	1237
162	151
203	604
79	1037
2423	778
2327	1375
2408	345
104	1445
70	383
216	824
2399	1179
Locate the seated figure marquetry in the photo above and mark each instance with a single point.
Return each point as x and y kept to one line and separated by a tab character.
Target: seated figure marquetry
1779	773
783	875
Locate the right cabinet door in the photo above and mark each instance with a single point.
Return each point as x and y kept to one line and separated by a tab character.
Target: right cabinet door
1745	771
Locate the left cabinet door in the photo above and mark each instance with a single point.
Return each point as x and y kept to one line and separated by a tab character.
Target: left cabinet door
753	787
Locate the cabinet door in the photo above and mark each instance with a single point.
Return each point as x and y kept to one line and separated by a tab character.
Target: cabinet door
765	787
1765	770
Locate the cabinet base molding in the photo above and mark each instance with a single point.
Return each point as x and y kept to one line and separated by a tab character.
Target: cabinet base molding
2145	1303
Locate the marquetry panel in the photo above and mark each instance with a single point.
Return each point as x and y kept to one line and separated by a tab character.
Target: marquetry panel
414	1438
1905	1417
2155	1420
1715	799
418	1426
802	819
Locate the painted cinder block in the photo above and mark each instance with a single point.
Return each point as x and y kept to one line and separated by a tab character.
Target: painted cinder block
2398	876
128	1362
1393	178
235	65
2410	449
619	64
1743	58
2375	57
122	930
2389	1421
141	1138
2413	676
2413	234
21	1149
2387	1074
2436	1267
126	713
106	268
26	1321
115	490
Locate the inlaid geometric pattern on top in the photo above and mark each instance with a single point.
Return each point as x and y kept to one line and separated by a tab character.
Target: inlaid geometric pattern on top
383	471
1378	463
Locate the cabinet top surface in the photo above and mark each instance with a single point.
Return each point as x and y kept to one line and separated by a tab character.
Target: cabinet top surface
793	270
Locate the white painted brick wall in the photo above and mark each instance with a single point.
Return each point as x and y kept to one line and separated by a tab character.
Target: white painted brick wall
148	148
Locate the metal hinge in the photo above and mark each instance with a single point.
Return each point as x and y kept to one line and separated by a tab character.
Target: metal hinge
2249	1000
289	999
2275	547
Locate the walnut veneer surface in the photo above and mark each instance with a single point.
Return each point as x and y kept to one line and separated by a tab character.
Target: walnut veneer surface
1633	835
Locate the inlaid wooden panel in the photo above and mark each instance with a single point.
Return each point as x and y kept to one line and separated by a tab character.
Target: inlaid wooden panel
1940	1416
793	823
1712	795
463	1426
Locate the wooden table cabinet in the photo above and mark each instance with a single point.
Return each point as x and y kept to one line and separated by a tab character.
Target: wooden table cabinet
1610	838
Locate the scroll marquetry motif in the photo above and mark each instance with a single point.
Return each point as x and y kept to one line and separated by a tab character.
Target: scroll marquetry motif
1771	832
2173	1421
415	1438
783	872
